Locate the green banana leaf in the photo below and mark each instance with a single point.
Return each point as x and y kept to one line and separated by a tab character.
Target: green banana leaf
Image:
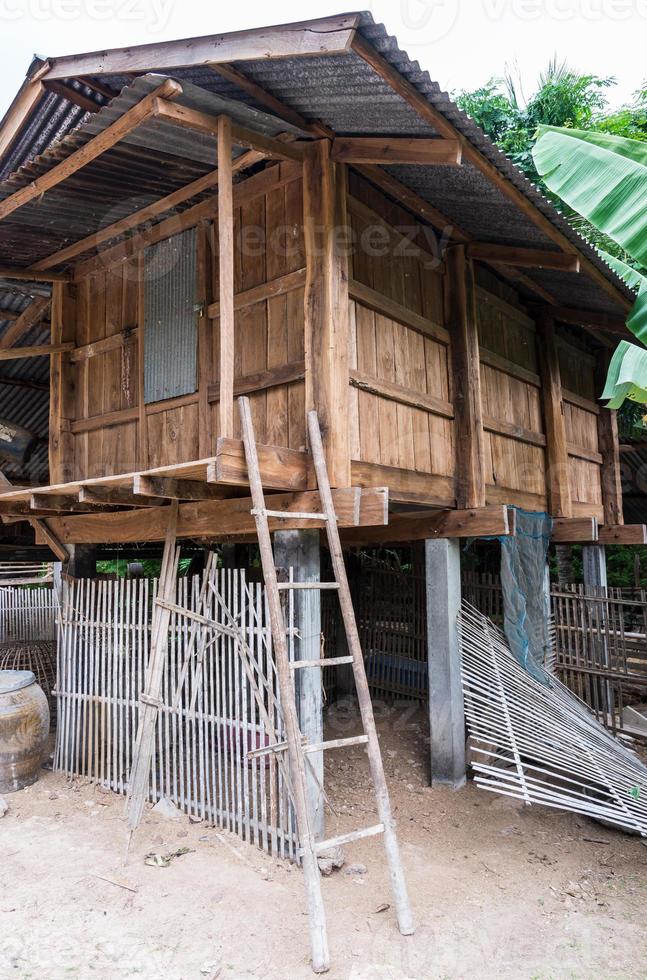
627	376
637	319
603	179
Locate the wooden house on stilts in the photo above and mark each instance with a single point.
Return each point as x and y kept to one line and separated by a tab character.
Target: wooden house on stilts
300	215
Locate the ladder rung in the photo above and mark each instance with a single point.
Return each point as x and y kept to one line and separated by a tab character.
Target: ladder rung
336	743
322	662
289	515
352	835
308	585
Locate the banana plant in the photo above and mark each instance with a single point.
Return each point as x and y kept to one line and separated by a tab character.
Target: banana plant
604	178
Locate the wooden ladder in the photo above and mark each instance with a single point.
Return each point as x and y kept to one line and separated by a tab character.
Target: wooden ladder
296	748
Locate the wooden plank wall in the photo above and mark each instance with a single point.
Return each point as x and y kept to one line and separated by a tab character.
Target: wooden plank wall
581	411
512	418
113	431
400	397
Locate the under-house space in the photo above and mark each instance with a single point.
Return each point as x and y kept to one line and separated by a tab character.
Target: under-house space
299	392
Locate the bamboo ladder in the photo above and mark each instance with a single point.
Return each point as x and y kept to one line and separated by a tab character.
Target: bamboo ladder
296	749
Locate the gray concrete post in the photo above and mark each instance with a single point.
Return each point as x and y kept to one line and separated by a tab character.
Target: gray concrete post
300	550
446	712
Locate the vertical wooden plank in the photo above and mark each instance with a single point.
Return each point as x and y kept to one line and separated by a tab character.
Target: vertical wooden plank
559	495
608	446
205	258
326	304
226	277
61	393
461	321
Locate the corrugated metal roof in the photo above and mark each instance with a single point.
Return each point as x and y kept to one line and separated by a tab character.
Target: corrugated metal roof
152	161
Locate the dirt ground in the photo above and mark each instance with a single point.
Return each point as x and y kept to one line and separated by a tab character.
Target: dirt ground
498	889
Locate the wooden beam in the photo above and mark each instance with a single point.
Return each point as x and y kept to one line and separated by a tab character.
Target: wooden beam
115	496
413	202
591	318
281	468
173	489
525	258
66	503
226	278
472	155
557	465
326	305
401	395
220	519
388	307
72	95
27	319
19	111
203	122
571	530
130	120
266	290
31	275
406	486
622	534
262	380
24	383
388	149
265	98
16	353
461	320
474	523
324	36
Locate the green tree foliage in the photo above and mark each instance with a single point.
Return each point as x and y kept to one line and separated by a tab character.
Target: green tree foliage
563	98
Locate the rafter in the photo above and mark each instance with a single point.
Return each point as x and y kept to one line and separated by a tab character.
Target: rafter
524	258
27	319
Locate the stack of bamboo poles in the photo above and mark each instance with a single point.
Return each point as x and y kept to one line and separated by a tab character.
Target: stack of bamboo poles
539	743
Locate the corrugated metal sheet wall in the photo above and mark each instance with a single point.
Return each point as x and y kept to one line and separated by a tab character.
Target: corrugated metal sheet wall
170	319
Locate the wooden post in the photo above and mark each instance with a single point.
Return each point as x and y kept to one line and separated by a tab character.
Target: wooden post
61	393
446	713
608	446
226	277
326	304
461	320
557	467
83	561
300	550
205	259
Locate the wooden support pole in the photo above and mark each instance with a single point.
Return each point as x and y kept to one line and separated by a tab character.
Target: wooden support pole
226	277
446	714
557	466
300	551
461	319
326	304
61	392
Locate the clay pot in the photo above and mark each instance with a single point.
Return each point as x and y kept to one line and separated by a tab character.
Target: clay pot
24	727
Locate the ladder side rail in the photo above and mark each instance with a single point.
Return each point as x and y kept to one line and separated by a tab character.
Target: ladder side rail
317	915
403	909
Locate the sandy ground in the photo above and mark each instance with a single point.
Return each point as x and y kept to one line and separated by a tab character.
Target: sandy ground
498	890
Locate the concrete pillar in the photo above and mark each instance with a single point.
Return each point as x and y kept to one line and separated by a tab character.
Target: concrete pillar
83	561
446	713
300	550
594	565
